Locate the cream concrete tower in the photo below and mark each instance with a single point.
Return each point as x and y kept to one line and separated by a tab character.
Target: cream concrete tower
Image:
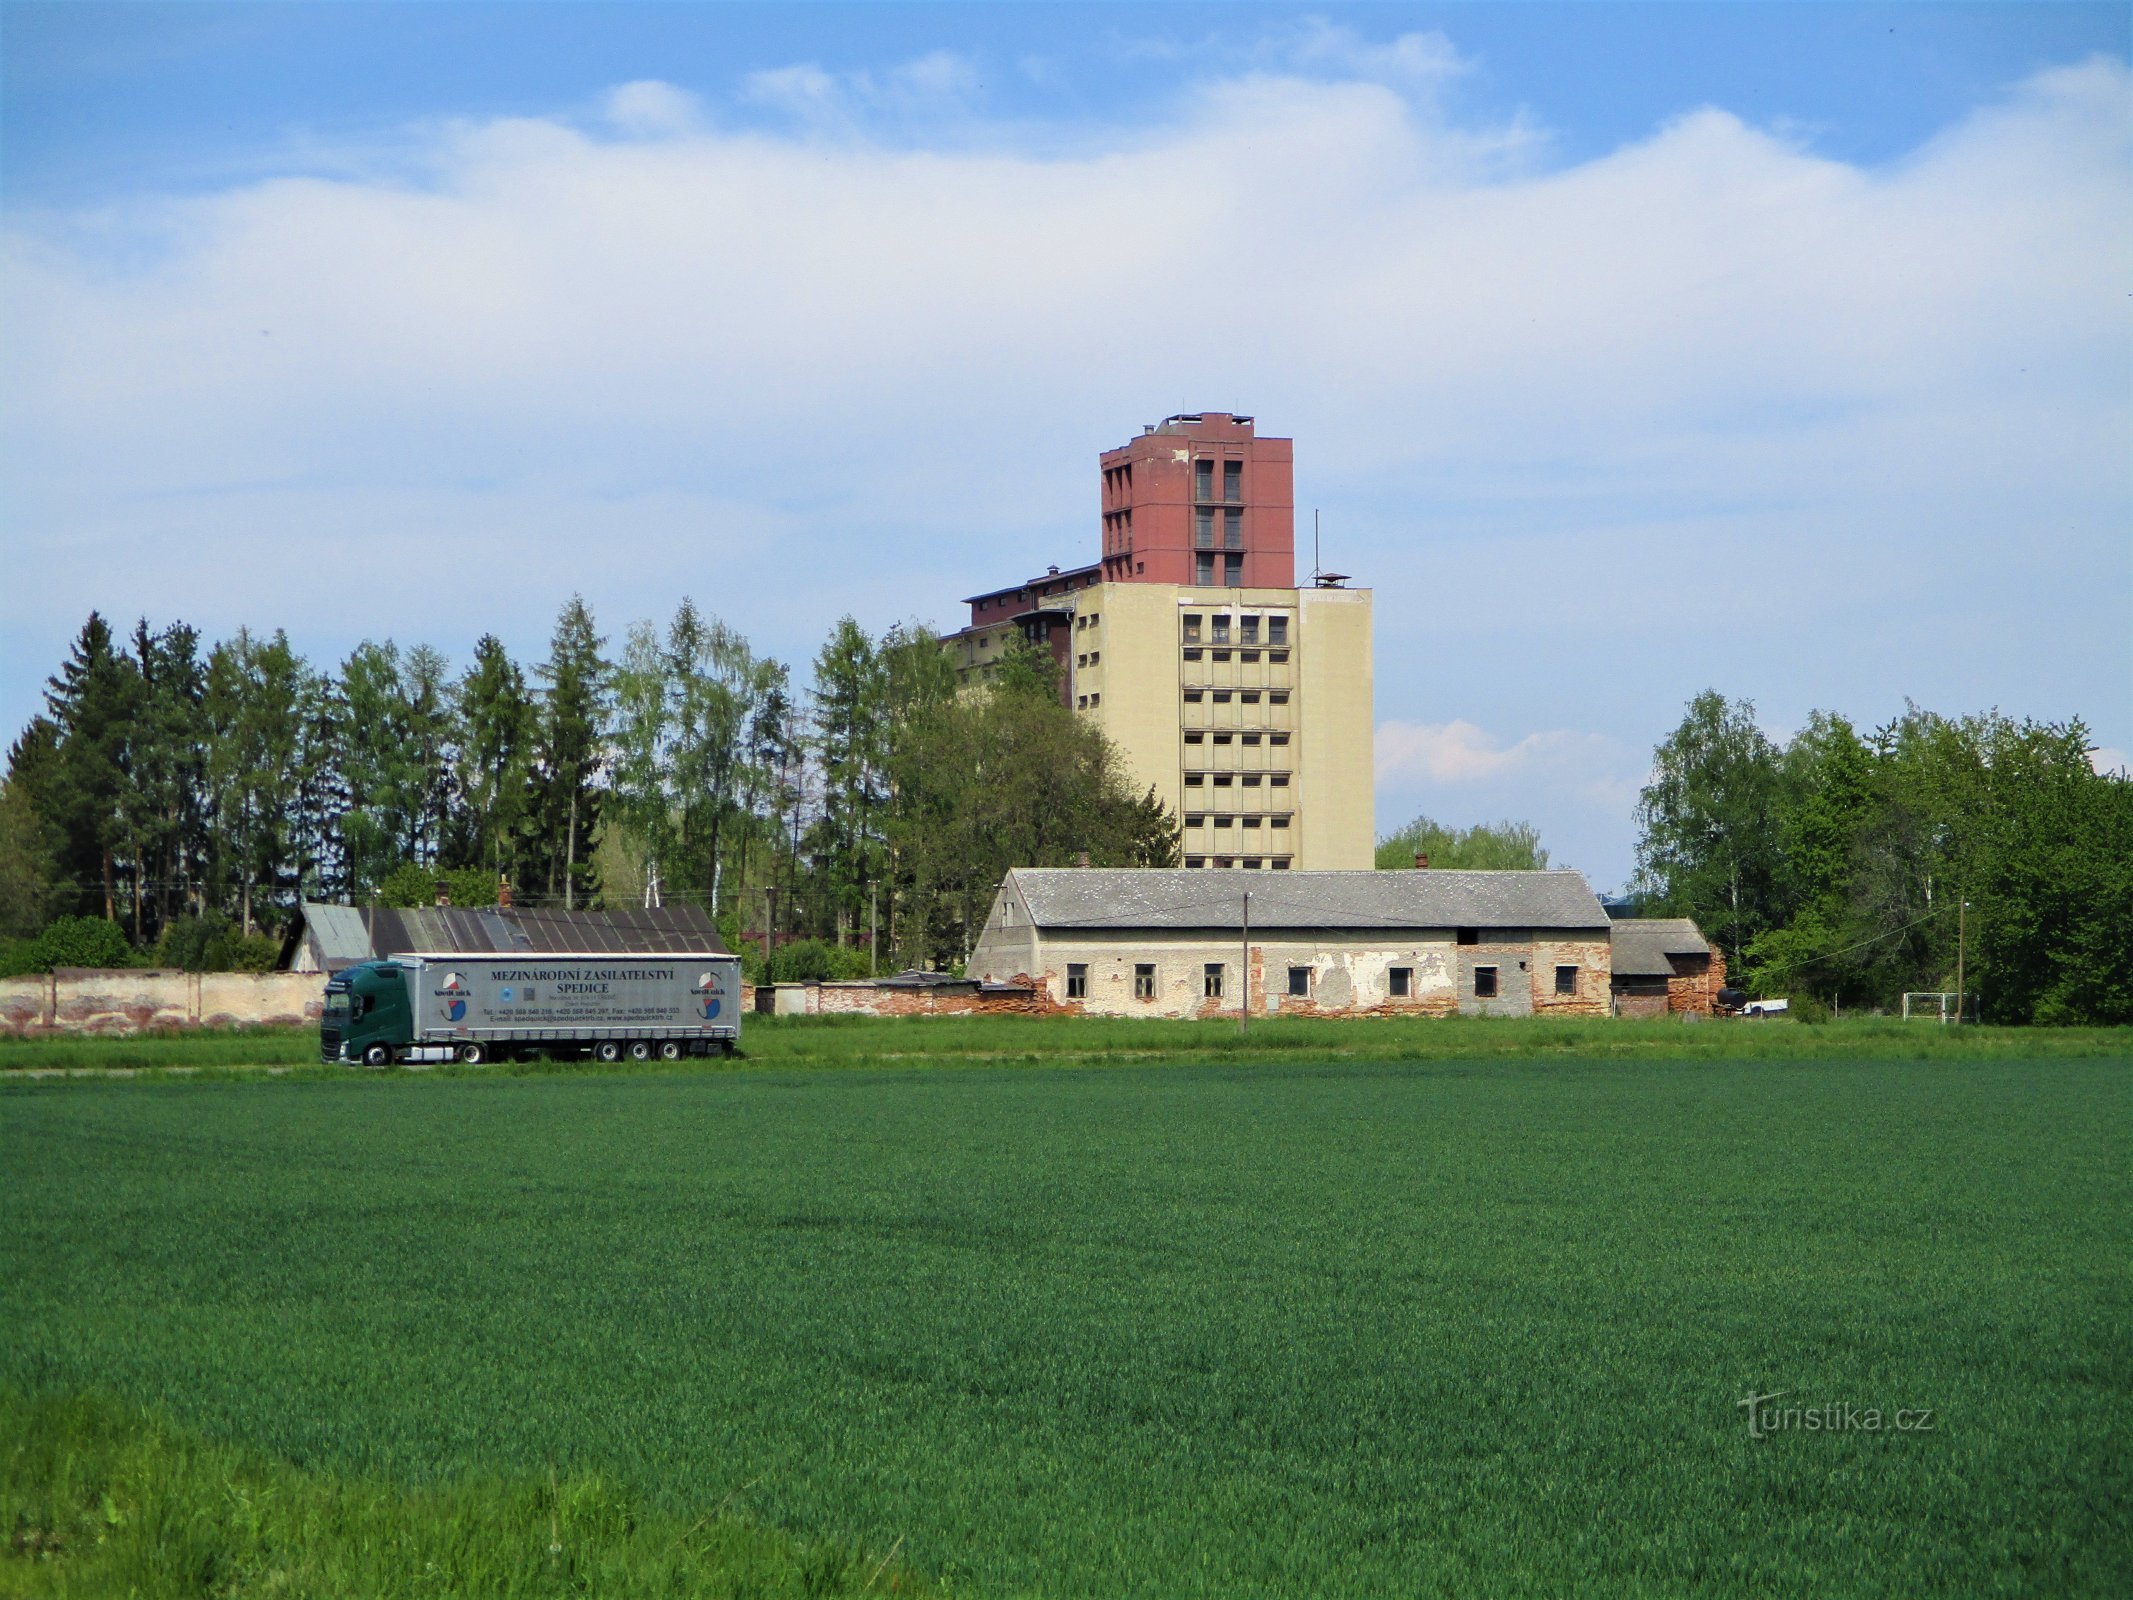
1247	710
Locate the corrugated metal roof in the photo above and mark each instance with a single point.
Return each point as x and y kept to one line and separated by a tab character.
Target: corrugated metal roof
1177	897
337	934
1642	945
354	933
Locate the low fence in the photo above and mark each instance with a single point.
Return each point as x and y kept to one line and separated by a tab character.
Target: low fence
132	1000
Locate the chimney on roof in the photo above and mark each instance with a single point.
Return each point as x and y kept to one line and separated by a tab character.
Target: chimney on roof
1421	861
503	893
444	892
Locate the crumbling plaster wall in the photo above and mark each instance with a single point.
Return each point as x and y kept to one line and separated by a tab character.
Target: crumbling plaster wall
129	1000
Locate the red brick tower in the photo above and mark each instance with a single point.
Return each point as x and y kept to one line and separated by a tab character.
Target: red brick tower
1200	499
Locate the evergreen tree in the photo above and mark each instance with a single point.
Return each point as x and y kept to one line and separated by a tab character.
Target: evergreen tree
573	726
29	844
382	774
253	707
93	701
850	746
161	805
498	723
431	719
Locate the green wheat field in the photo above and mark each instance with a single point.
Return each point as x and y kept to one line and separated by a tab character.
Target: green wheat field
1248	1324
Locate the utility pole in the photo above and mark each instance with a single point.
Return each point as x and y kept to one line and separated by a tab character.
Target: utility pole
770	920
873	930
1962	919
1244	987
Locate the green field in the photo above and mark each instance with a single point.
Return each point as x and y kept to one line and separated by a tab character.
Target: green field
1252	1325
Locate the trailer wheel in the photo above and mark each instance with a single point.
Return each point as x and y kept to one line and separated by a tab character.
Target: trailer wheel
377	1055
640	1051
471	1054
608	1050
670	1051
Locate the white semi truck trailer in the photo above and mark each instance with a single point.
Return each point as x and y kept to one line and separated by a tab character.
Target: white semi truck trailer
490	1007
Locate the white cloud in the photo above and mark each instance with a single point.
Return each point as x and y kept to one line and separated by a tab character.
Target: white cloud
1708	410
1423	60
649	109
1459	752
936	82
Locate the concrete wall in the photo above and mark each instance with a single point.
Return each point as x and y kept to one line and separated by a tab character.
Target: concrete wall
1350	972
1337	810
80	1000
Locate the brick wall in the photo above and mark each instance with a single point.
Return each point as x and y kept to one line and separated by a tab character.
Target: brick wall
867	999
1592	957
84	1000
1696	982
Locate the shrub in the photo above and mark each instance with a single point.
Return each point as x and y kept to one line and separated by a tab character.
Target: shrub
81	942
409	885
816	961
257	952
213	944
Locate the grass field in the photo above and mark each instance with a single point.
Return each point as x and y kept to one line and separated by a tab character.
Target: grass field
1257	1325
867	1041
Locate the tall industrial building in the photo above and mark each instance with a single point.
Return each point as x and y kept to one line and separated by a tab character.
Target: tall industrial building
1242	699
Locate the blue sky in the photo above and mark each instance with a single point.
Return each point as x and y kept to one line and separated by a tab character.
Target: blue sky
1629	350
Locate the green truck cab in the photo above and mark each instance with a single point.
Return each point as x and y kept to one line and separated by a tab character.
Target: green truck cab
367	1016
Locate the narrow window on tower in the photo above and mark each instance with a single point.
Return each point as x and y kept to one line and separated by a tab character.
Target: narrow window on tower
1233	571
1203	569
1233	482
1203	528
1248	630
1277	630
1192	628
1233	530
1203	480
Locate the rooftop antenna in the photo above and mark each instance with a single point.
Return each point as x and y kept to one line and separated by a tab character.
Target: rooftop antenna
1314	544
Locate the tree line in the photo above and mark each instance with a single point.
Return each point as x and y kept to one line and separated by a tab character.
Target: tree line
176	791
1849	867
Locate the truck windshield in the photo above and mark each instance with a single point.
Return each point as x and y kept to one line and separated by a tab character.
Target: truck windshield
336	1003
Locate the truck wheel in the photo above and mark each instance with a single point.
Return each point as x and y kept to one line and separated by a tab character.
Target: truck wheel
471	1054
670	1051
640	1051
608	1050
377	1056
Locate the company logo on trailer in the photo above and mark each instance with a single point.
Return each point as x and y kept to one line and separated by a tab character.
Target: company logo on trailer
453	993
709	995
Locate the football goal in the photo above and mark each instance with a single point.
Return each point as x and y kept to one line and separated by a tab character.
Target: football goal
1933	1005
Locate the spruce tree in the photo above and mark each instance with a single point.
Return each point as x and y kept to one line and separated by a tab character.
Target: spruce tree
93	701
573	727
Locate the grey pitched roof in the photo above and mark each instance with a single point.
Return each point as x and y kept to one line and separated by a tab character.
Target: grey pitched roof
1173	897
345	934
1642	945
